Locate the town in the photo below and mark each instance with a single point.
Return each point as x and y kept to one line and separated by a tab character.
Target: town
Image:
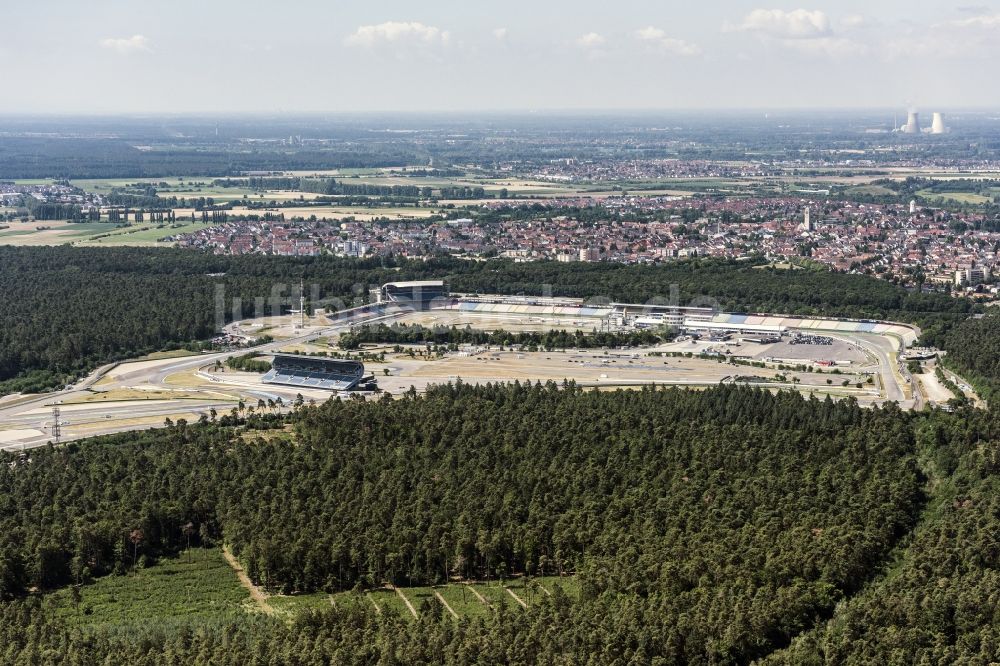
912	245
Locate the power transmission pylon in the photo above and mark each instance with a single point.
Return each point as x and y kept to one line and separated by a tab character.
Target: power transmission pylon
56	428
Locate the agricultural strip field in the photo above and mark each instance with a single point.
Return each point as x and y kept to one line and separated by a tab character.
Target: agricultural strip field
144	234
358	212
462	598
59	232
199	586
196	587
954	197
53	232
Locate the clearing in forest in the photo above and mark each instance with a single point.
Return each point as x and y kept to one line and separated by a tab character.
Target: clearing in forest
569	584
406	602
192	588
495	595
388	601
463	600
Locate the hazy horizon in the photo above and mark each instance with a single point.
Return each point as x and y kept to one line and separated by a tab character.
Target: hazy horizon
309	57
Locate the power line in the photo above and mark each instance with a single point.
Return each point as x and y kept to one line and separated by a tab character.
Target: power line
56	428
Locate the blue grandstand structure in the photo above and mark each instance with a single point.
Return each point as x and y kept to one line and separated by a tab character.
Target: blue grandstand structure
317	372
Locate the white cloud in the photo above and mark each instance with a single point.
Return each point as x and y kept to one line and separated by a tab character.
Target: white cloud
973	9
500	34
987	21
827	46
973	37
591	40
854	21
803	31
796	24
650	34
412	32
126	44
658	38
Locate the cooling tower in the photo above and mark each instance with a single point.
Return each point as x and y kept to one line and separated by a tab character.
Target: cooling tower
912	125
937	125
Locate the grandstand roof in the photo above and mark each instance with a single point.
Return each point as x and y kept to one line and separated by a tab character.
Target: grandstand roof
732	326
415	283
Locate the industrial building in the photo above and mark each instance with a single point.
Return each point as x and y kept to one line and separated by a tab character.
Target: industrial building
316	373
418	294
912	125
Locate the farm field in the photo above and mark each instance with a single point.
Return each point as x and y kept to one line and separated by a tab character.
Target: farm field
146	234
192	588
358	212
873	190
290	605
105	185
178	186
60	232
220	194
956	197
200	586
460	597
54	232
514	186
193	187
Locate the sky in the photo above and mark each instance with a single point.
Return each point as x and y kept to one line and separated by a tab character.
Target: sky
327	56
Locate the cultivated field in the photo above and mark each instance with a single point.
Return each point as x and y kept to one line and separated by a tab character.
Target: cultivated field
361	213
194	588
60	232
203	586
55	232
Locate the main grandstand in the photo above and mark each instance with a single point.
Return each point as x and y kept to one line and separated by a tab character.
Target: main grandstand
419	294
314	372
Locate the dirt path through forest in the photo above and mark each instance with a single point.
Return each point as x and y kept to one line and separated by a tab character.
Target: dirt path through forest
257	594
516	598
480	597
445	604
413	611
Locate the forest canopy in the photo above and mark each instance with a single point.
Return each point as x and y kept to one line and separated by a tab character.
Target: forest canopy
719	526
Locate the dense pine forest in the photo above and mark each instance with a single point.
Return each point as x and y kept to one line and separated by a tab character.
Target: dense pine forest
453	336
937	603
721	526
67	310
973	347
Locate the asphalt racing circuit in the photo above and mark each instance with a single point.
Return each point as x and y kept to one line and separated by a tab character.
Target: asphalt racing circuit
835	359
142	394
